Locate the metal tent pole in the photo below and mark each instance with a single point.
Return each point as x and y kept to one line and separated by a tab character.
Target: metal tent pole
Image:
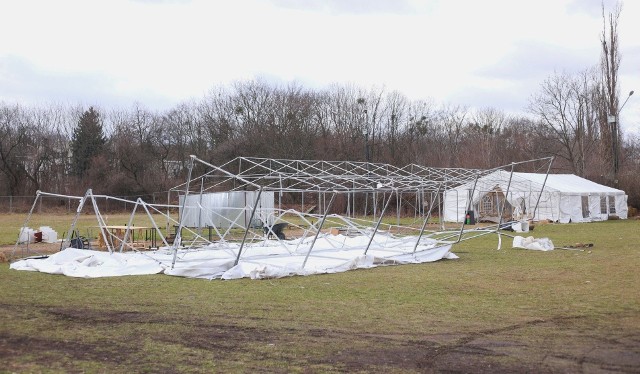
126	232
470	198
178	237
155	226
440	217
424	224
324	217
504	204
379	220
101	223
24	225
246	231
398	200
200	206
542	190
168	209
75	218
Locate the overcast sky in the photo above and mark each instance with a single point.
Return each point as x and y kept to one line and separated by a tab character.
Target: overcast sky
477	53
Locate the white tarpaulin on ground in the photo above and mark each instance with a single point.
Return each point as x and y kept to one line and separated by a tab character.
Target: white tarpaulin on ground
537	244
269	259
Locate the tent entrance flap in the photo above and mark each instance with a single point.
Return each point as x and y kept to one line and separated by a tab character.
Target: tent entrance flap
585	206
491	205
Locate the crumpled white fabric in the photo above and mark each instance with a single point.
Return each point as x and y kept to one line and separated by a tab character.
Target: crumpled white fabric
330	254
540	244
85	263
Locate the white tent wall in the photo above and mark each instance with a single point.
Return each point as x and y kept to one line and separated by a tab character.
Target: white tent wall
570	208
225	209
562	199
603	205
522	195
455	204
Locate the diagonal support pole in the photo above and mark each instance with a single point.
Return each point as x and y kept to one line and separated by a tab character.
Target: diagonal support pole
379	220
178	238
246	231
324	217
424	224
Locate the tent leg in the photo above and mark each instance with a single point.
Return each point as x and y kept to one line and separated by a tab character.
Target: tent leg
469	203
126	232
178	238
24	225
504	204
324	217
246	231
155	226
101	224
379	221
424	224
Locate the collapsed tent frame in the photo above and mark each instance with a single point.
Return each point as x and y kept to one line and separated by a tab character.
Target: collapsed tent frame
375	183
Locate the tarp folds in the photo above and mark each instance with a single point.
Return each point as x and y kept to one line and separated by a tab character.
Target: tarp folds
539	244
270	259
91	264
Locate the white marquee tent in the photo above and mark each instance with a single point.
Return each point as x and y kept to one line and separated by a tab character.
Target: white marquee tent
564	198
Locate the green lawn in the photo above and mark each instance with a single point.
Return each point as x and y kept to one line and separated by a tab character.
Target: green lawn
489	311
87	223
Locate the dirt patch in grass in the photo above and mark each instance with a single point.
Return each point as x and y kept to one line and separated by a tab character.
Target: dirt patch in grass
555	346
502	350
14	344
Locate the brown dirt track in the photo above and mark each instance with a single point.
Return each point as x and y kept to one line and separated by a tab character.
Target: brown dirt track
502	350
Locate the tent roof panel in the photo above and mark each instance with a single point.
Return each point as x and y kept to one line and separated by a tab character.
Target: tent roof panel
569	183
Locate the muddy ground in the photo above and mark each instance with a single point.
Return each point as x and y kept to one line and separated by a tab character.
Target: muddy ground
509	349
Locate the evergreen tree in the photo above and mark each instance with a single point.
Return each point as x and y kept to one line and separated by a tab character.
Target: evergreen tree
87	142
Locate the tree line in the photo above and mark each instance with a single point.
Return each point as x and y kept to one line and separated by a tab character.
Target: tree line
136	151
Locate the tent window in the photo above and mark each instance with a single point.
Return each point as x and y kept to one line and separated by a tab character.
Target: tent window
585	206
612	205
603	204
487	203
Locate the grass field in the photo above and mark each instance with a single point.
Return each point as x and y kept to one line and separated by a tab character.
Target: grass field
10	224
489	311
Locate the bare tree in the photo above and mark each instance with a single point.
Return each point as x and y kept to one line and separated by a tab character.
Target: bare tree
217	113
609	65
347	119
137	148
452	122
422	136
12	141
291	120
483	137
566	109
396	112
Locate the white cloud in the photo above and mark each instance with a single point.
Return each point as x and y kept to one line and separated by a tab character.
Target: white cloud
477	53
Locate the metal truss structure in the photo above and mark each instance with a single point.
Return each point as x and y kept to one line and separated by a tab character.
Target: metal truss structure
318	227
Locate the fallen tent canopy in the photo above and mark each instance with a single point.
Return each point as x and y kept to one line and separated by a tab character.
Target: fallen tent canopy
269	260
230	222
